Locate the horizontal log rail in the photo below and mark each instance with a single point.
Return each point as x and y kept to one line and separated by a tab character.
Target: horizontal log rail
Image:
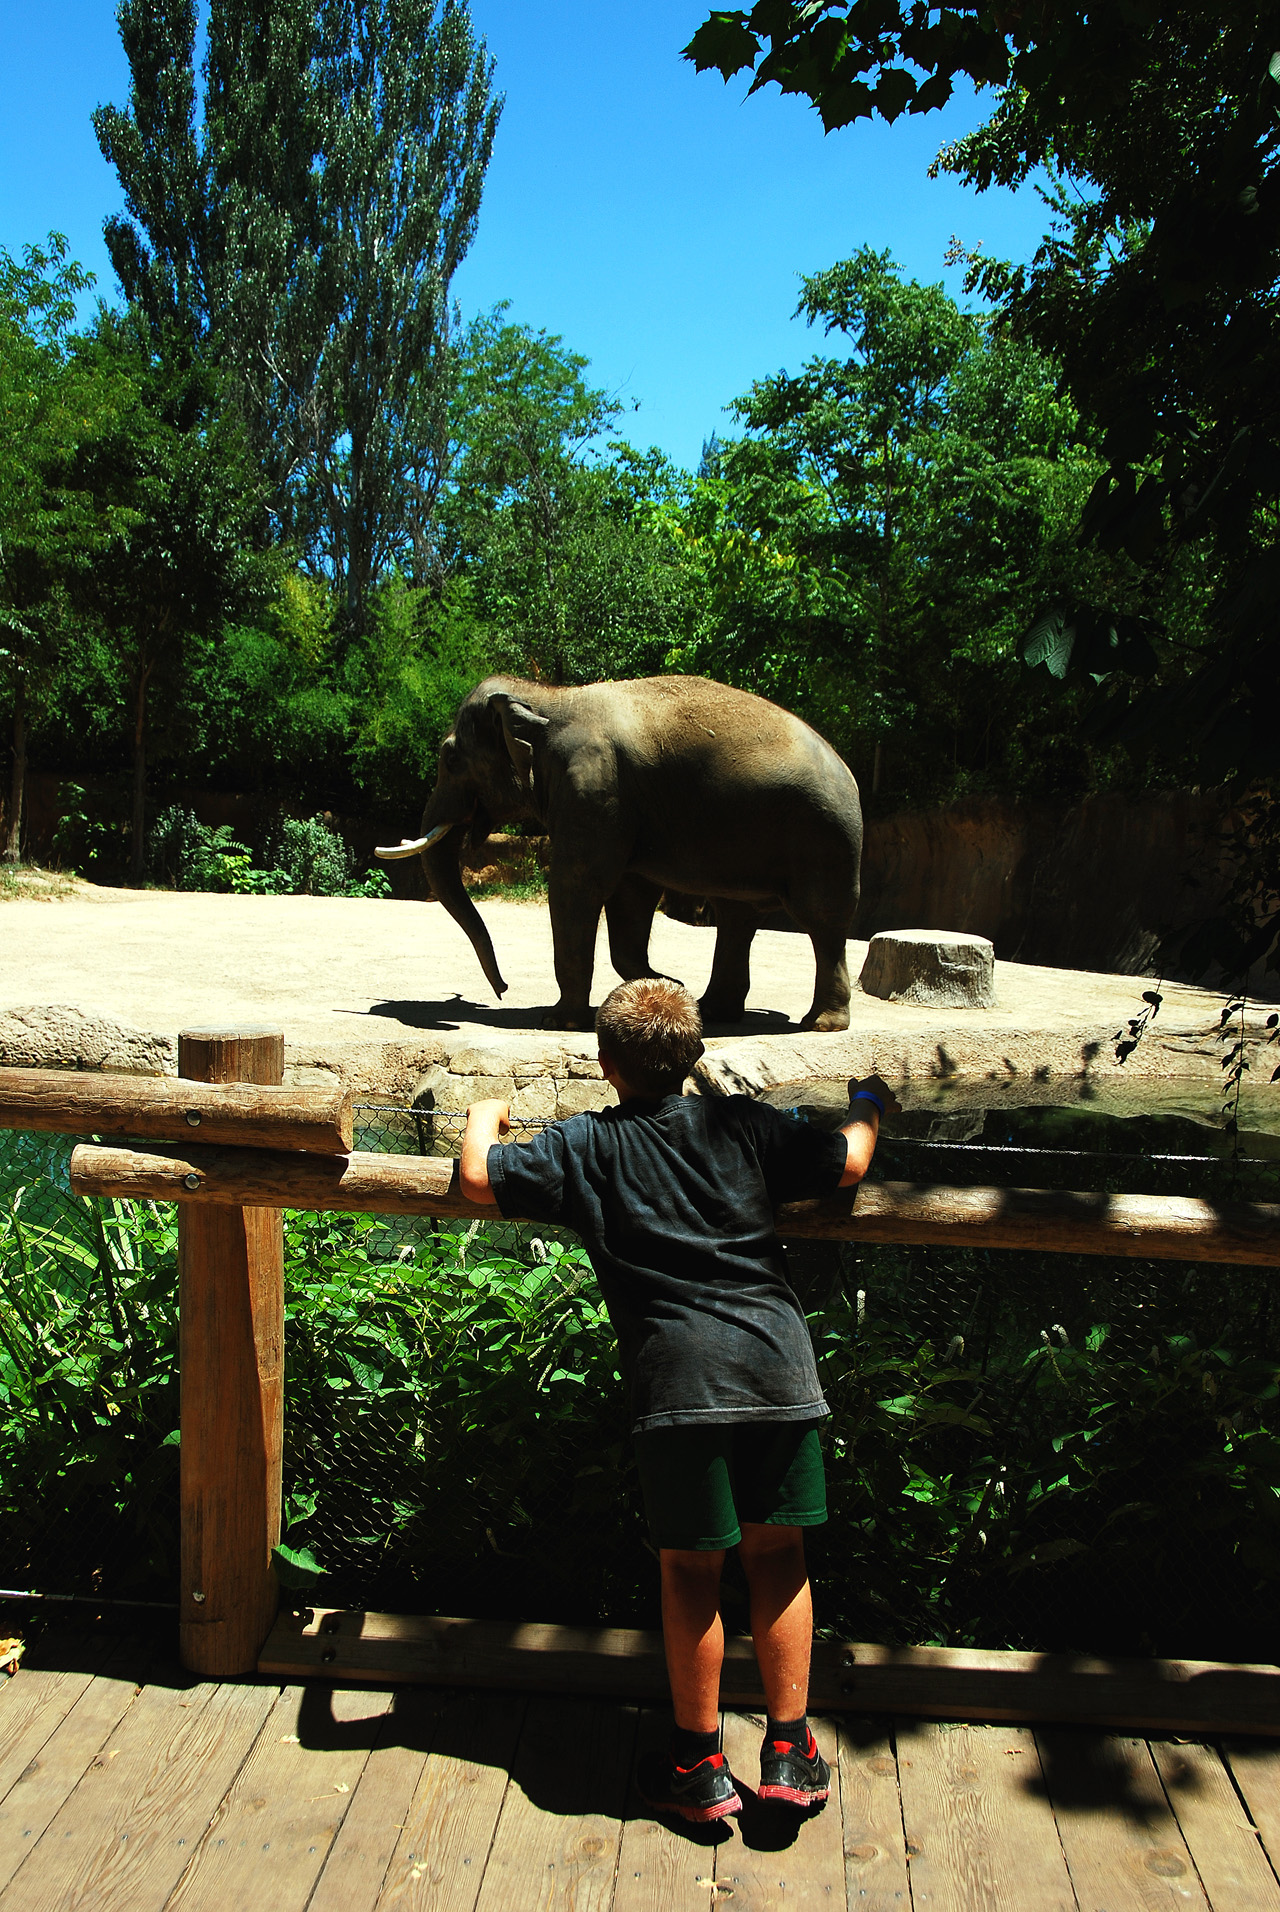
161	1109
1164	1696
1170	1227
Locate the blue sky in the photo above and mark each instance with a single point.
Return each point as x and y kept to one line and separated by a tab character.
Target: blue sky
656	218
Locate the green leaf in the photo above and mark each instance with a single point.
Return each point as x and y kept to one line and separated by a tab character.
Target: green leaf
1049	641
296	1566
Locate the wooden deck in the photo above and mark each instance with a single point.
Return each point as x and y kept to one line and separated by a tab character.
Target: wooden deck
126	1786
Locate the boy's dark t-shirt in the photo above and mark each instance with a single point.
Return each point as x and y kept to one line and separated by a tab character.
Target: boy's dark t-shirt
674	1200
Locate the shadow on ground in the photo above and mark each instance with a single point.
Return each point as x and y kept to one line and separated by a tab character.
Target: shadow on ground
457	1012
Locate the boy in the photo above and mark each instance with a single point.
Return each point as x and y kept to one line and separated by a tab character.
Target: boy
674	1197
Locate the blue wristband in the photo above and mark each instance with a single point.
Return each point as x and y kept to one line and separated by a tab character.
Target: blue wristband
866	1095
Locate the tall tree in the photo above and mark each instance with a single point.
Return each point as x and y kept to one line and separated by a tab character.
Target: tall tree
302	231
173	473
47	527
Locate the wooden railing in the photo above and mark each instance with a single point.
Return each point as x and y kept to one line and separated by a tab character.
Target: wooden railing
263	1148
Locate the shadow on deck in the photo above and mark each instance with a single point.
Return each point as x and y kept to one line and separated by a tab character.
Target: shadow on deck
126	1786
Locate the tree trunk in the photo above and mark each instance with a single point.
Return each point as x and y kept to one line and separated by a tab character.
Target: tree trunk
12	851
139	843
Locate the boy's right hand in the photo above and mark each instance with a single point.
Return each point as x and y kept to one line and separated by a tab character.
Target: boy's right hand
877	1086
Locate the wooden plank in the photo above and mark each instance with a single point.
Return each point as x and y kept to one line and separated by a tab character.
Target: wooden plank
34	1703
122	1838
231	1356
556	1844
269	1838
1231	1862
235	1115
1255	1768
439	1863
980	1833
875	1857
57	1768
369	1835
940	1682
663	1865
778	1858
1122	1844
1067	1221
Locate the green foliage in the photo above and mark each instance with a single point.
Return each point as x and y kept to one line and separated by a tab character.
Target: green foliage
305	858
873	549
88	1372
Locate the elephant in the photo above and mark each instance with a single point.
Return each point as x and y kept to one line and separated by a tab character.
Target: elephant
647	785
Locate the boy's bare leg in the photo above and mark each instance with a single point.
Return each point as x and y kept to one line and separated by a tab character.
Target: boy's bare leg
693	1635
781	1613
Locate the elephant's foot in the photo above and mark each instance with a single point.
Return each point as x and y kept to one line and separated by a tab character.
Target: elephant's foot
723	1008
568	1016
827	1019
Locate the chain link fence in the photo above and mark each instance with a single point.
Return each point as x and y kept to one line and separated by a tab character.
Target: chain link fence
1025	1449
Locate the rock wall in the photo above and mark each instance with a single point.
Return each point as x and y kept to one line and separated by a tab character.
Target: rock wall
1097	885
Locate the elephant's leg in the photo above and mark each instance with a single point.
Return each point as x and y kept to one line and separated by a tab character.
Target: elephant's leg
726	997
830	1008
629	914
575	918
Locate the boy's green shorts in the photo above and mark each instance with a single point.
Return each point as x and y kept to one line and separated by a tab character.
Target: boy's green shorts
701	1482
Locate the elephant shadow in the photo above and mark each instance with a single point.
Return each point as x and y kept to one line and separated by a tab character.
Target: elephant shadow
458	1011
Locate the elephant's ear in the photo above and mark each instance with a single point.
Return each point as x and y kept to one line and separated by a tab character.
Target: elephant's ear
521	730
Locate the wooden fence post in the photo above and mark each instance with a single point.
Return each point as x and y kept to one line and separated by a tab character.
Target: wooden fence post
231	1342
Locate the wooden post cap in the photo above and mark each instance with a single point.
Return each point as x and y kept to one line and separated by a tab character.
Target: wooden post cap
232	1055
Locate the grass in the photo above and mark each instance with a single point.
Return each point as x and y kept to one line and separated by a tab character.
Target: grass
28	882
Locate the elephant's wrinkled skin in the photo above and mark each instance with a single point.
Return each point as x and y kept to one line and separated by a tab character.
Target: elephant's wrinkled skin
660	783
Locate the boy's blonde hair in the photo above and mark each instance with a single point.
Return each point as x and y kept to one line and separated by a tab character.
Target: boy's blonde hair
652	1030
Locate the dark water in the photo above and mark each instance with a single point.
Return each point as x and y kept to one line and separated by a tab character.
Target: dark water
1076	1144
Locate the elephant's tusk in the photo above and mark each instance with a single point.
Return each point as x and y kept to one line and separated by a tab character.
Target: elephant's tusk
389	853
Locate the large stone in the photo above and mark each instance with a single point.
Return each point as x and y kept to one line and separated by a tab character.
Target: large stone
931	966
58	1036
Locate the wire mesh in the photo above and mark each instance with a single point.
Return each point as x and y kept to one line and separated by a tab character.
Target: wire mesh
1025	1449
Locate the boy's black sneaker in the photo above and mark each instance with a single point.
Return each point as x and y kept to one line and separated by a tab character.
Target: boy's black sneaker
702	1792
793	1774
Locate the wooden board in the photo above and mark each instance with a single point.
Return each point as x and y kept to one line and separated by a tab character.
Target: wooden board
1122	1844
34	1703
779	1858
664	1865
235	1115
56	1767
369	1835
268	1840
439	1860
875	1858
557	1839
940	1682
980	1833
124	1834
1231	1862
1255	1769
1066	1221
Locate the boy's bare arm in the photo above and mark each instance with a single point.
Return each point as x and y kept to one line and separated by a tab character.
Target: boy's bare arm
862	1130
486	1121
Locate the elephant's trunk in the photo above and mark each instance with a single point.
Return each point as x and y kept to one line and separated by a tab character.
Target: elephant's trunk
442	867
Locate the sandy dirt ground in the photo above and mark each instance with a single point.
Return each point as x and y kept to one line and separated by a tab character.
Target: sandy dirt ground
378	989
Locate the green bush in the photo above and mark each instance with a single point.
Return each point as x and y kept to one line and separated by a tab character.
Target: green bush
304	858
